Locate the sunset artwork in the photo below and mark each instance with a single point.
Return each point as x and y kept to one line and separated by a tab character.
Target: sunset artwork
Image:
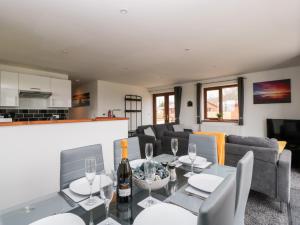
278	91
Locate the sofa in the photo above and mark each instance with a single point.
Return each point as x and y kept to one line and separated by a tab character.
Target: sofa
271	171
163	133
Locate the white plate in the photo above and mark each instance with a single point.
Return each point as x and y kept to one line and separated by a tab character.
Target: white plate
186	160
60	219
205	182
82	187
164	213
136	163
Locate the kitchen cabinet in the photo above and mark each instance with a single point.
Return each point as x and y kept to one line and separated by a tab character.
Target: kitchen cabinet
61	93
9	89
29	82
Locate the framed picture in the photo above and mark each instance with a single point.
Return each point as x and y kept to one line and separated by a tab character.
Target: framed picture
80	100
277	91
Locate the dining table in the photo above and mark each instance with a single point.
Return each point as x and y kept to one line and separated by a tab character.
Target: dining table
124	213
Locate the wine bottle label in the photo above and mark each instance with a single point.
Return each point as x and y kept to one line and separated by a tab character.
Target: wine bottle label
124	192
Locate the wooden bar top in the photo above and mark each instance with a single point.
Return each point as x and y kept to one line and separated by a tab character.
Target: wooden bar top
22	123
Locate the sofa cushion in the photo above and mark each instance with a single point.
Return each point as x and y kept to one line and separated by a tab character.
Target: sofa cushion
253	141
260	153
178	128
160	130
140	129
149	131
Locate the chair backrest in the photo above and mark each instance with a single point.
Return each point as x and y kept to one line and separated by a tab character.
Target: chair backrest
72	163
206	146
133	150
219	208
243	184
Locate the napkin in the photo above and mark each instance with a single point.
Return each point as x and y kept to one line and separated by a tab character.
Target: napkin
188	202
197	192
75	197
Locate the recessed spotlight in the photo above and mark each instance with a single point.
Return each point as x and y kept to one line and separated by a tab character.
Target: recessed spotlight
65	51
187	49
77	80
123	11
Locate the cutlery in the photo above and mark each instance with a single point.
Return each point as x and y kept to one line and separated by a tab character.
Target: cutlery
68	199
194	195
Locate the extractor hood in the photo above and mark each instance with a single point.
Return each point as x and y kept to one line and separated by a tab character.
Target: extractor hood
34	94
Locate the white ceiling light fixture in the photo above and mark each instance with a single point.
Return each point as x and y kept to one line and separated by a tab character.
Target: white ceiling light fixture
124	11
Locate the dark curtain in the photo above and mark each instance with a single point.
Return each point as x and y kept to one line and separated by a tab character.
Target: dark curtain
177	92
198	94
240	82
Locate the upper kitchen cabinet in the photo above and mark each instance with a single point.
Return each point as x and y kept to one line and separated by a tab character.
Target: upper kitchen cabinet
61	93
34	83
9	88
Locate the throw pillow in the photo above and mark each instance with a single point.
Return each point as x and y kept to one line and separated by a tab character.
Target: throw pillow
281	145
149	132
178	128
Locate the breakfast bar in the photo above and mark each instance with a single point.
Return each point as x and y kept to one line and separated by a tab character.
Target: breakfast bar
30	153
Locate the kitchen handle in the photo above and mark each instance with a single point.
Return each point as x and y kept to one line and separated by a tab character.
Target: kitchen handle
35	89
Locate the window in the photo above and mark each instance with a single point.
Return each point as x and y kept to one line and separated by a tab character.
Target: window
163	108
221	100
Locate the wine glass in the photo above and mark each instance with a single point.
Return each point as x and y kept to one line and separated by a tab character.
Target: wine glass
149	172
107	191
149	151
192	155
90	174
174	146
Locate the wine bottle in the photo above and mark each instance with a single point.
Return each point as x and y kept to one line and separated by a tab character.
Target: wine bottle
124	186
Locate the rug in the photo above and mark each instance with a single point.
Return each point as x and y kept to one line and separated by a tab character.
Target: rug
262	210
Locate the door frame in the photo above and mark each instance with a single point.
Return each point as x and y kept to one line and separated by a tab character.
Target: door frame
166	96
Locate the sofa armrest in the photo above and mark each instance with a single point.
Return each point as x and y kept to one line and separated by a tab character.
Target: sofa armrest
188	131
284	176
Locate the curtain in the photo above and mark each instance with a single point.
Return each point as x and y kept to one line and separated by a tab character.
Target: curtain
240	82
177	92
198	94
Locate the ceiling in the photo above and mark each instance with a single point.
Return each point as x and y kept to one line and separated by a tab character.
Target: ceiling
158	42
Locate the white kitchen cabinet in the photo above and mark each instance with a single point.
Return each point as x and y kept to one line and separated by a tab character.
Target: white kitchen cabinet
61	93
29	82
9	89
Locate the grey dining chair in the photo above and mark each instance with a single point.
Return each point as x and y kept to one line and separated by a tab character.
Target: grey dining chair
243	184
133	150
219	208
72	163
206	146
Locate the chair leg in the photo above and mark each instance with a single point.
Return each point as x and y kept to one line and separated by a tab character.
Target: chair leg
282	205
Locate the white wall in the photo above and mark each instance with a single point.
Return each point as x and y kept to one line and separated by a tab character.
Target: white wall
30	166
111	96
254	115
86	111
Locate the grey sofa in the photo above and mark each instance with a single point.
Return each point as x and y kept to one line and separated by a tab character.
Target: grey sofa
271	171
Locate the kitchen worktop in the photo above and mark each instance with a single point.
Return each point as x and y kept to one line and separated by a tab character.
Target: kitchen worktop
22	123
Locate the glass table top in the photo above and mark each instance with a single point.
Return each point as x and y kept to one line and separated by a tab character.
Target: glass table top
124	213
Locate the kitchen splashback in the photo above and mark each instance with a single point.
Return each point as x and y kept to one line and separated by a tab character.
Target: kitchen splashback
34	114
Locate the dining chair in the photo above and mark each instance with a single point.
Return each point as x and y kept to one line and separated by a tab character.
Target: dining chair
133	150
206	146
243	184
72	163
219	207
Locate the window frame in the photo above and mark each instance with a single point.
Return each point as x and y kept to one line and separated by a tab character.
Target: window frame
220	89
166	96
